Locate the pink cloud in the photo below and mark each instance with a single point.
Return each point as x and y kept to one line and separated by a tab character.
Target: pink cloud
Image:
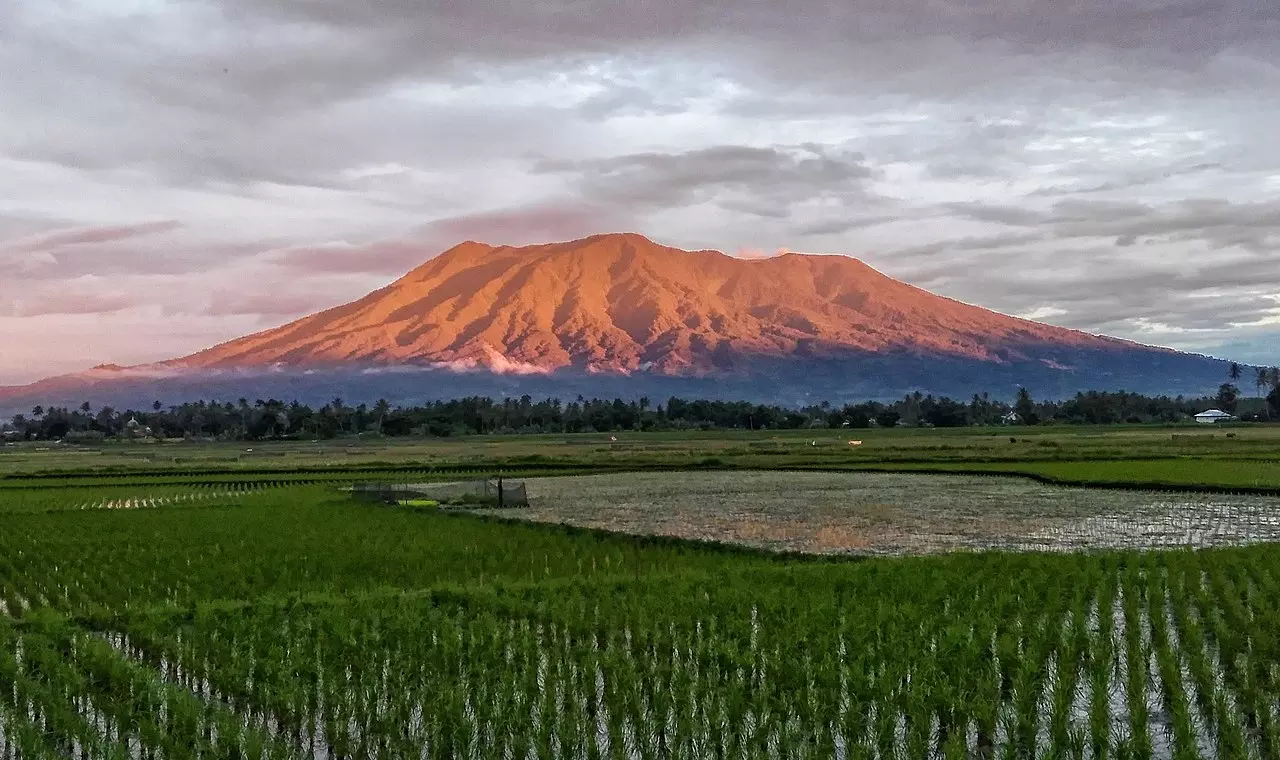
757	253
76	301
267	302
93	235
512	226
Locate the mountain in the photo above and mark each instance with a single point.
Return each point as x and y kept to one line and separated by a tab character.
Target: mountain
624	313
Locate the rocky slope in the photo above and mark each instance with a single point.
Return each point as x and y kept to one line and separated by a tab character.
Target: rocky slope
621	303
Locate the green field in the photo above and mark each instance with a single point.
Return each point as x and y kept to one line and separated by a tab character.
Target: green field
1228	456
188	600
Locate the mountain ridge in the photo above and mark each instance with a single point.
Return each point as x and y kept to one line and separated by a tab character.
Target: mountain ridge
622	311
622	303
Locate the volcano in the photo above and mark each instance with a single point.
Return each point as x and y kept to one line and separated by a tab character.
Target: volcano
621	313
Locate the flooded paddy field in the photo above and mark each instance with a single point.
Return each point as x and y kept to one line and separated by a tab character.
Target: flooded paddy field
889	513
302	622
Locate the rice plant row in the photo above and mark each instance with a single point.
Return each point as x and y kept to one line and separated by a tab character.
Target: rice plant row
192	496
34	501
1137	656
290	541
65	694
336	473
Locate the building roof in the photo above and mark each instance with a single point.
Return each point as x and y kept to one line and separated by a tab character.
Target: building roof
1213	413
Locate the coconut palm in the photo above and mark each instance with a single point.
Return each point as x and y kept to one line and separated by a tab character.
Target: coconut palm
382	408
1234	372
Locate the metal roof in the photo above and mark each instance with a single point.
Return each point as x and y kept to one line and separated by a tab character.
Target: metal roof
1213	413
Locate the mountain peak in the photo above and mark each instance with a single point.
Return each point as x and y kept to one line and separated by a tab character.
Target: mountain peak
620	302
619	313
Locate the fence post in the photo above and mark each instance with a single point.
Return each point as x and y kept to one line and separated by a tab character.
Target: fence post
500	501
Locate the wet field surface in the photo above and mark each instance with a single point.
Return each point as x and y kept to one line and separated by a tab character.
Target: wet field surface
887	513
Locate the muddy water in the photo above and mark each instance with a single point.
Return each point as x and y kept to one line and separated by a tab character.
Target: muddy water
883	513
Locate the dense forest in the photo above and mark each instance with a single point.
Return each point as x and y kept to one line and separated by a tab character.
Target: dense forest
267	419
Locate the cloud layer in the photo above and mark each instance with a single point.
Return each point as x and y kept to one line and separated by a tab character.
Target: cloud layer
174	174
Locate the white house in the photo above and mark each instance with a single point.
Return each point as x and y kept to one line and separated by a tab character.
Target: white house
1213	415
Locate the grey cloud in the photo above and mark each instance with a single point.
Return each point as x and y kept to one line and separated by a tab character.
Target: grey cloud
239	90
535	223
840	226
628	100
1190	286
986	212
1130	180
760	181
995	242
208	97
755	207
520	31
1219	222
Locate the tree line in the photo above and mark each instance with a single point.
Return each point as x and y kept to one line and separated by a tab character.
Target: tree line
275	419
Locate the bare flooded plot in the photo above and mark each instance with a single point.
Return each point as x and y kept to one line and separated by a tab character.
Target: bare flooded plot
883	513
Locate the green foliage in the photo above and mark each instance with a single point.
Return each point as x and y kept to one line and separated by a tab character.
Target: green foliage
274	419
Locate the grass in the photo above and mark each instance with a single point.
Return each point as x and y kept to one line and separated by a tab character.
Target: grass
730	448
1184	473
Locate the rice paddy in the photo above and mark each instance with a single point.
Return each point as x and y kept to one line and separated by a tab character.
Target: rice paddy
646	614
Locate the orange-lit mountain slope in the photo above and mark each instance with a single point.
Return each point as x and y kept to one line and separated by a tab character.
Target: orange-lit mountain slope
623	303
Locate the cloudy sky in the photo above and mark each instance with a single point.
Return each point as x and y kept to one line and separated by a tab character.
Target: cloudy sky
176	173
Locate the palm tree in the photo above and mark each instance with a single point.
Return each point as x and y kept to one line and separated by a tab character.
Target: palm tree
1272	382
382	408
339	411
37	412
1261	380
1235	372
